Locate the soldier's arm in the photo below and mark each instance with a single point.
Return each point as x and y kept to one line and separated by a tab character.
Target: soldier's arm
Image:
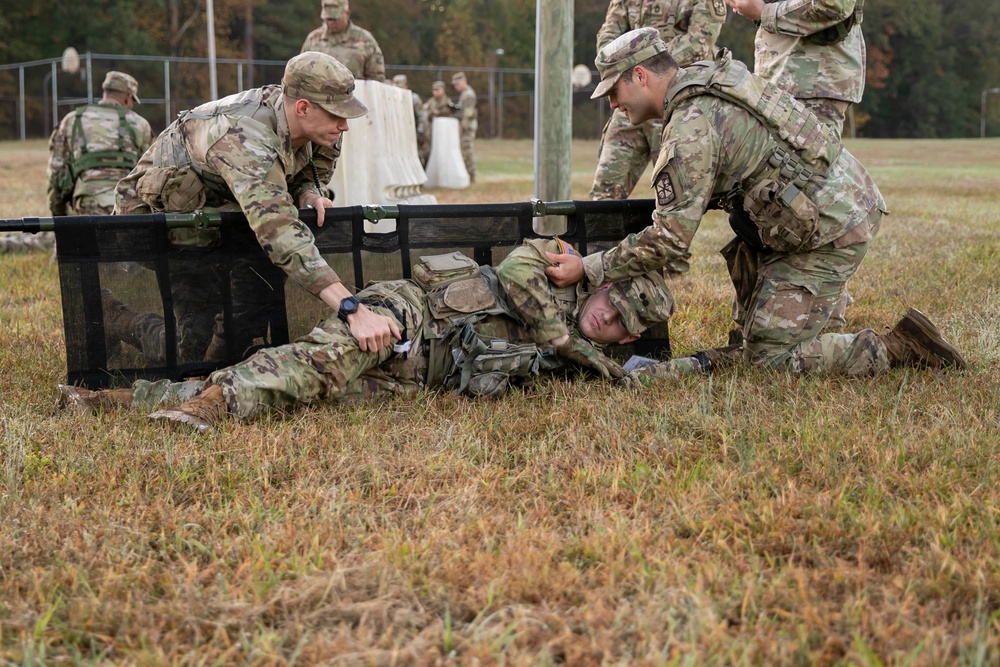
60	185
468	103
698	43
615	23
375	64
804	17
683	181
522	275
324	159
258	184
145	135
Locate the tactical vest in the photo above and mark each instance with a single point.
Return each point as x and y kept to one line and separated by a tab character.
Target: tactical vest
83	159
784	193
461	294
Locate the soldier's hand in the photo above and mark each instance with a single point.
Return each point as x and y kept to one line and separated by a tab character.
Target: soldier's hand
372	331
566	270
750	9
318	202
586	355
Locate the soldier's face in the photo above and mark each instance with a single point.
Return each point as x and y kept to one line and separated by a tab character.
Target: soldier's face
601	322
322	127
437	92
632	98
339	24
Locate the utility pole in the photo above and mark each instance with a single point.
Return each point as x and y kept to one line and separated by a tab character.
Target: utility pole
213	82
553	106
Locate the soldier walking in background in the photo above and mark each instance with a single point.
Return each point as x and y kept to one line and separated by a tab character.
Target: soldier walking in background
469	120
94	147
690	30
815	52
735	138
353	46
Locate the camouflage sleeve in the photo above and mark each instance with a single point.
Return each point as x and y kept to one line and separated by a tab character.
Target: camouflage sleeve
469	110
522	276
804	17
375	64
615	23
683	180
260	189
60	183
698	43
144	133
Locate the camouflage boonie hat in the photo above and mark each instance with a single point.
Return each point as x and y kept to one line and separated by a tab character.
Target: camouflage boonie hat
642	301
399	80
325	82
624	53
437	85
122	83
333	9
457	76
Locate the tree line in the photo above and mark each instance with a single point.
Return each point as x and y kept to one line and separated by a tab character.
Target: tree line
928	60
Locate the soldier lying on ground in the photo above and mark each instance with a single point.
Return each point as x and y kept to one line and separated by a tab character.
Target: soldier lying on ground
732	138
472	329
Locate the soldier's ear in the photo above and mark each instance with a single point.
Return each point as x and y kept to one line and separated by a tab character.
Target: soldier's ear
628	339
301	107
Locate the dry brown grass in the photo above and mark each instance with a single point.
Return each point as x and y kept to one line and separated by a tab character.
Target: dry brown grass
745	518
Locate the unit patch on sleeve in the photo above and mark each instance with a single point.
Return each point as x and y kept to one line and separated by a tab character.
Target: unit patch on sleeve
666	193
719	7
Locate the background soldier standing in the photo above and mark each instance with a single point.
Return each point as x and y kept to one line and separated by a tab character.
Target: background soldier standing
438	104
690	29
355	47
469	120
419	115
94	147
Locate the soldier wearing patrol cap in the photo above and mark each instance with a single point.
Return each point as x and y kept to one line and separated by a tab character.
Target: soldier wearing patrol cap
733	138
478	332
94	147
419	116
339	37
468	116
268	152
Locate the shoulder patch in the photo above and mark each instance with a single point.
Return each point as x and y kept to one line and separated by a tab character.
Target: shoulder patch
719	7
666	192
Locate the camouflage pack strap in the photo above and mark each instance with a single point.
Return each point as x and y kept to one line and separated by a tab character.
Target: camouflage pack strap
122	158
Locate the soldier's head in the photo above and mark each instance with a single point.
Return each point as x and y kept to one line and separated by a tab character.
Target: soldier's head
459	82
122	88
400	81
336	14
636	69
319	98
437	89
620	312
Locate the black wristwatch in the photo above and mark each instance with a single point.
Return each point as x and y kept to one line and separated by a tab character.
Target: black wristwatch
348	306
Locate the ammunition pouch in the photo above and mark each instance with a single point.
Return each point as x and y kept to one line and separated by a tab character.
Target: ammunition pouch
175	189
835	33
485	367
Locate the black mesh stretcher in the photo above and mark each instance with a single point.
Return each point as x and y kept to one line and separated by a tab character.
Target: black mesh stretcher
131	257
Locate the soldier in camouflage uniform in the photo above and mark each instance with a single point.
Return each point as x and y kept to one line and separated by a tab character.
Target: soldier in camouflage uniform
438	104
732	137
466	328
468	118
94	147
690	28
419	115
267	152
353	46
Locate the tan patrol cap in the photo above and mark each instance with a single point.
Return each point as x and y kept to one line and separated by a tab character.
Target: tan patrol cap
399	80
122	83
457	76
624	53
437	84
325	82
333	9
642	301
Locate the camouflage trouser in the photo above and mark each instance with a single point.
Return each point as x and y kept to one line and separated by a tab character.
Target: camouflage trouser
23	243
467	137
791	303
324	365
625	151
831	112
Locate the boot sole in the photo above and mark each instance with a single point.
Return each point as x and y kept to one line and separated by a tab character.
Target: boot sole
177	416
917	324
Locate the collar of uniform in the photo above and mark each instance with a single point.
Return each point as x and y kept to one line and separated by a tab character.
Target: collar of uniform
284	134
336	36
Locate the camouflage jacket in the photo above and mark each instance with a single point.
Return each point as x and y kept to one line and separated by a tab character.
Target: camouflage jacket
804	69
689	27
93	147
717	151
469	114
441	106
236	153
355	47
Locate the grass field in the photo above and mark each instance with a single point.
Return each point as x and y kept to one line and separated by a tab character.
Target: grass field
745	518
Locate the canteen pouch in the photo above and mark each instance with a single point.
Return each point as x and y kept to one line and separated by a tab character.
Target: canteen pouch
786	218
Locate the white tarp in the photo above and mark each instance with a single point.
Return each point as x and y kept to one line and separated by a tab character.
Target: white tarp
445	167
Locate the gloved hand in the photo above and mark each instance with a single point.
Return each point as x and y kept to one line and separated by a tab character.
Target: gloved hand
585	354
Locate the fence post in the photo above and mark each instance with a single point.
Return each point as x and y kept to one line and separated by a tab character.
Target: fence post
20	100
166	91
55	95
90	79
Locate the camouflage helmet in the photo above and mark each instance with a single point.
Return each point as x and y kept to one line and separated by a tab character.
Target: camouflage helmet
399	81
120	82
333	9
325	82
642	301
456	77
624	53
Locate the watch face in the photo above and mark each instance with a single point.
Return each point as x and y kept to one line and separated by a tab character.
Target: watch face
348	306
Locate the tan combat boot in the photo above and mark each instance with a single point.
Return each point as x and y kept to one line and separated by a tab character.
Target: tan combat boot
915	341
85	401
203	411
